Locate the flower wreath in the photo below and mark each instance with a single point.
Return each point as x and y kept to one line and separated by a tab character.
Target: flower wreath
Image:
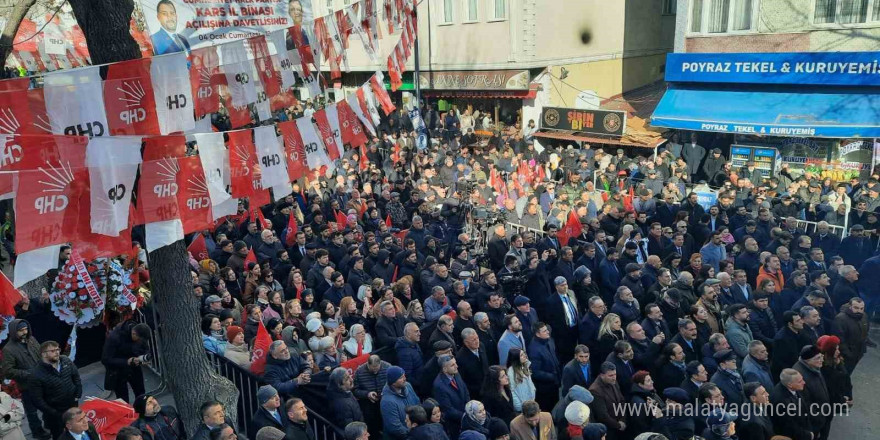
71	300
118	290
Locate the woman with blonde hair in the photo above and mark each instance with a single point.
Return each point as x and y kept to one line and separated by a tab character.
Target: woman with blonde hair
348	313
403	290
610	331
415	312
293	315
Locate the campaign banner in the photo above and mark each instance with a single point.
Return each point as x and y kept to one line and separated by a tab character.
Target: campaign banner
825	68
609	122
178	25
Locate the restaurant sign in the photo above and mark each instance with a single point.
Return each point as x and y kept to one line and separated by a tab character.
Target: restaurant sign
475	80
609	122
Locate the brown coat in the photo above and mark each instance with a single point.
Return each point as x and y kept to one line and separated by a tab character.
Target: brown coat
520	429
607	398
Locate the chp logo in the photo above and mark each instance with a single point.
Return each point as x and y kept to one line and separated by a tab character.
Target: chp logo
294	148
611	122
55	183
167	187
243	154
12	152
551	117
197	188
205	89
132	95
8	122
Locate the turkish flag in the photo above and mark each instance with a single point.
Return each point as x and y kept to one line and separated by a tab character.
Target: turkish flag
205	78
193	199
198	248
327	135
261	349
129	100
242	162
571	229
291	230
9	296
270	78
350	126
294	150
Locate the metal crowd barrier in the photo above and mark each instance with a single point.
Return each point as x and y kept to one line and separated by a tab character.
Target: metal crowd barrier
811	227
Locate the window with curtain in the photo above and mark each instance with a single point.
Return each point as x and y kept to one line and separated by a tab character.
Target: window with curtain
719	16
875	14
471	10
500	9
447	11
825	10
696	16
742	15
853	11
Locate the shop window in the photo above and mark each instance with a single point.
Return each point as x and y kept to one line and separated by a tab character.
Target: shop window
722	16
846	11
669	7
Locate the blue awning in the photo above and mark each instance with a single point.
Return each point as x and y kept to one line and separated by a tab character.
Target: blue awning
774	111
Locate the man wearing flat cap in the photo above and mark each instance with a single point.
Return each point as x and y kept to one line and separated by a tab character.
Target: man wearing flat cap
727	378
809	365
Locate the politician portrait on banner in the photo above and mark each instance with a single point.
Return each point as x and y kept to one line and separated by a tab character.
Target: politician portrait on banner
182	25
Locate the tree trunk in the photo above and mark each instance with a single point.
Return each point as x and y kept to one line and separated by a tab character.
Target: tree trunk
106	25
19	11
190	377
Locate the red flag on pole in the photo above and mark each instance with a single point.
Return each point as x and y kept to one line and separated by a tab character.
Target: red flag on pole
292	229
261	349
198	248
9	296
571	229
341	220
388	220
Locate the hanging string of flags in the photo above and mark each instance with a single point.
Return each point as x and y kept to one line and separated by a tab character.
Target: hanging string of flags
70	161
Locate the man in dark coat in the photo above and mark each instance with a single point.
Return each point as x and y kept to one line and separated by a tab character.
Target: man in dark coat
608	402
342	405
123	355
389	326
577	371
298	421
851	326
269	414
815	389
20	355
473	362
156	422
451	393
758	426
213	416
545	366
788	393
284	371
786	344
727	378
55	386
488	339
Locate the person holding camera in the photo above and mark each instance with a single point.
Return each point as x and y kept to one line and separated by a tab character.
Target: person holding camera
126	349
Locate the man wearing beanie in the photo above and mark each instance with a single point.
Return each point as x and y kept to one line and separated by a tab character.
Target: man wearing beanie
156	422
815	390
20	355
396	396
268	414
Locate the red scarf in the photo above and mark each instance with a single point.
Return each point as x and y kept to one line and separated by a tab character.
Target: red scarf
575	431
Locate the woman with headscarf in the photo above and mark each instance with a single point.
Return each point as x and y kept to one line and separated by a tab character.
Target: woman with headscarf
476	418
359	342
237	349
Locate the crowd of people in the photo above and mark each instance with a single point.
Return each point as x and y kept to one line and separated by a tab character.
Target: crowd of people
658	318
